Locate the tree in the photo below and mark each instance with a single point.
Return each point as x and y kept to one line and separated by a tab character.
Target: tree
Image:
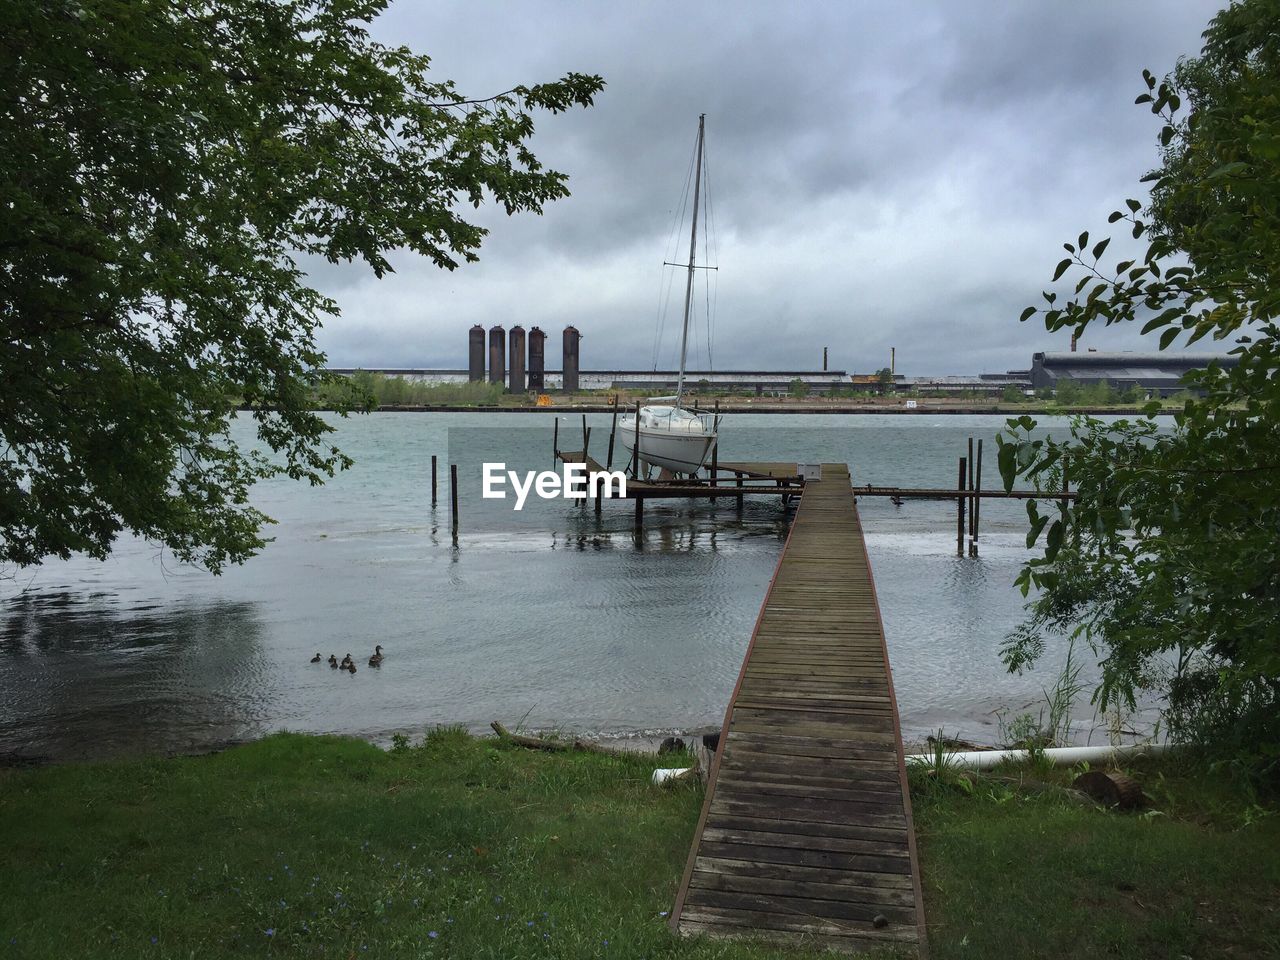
884	377
1169	562
163	169
799	388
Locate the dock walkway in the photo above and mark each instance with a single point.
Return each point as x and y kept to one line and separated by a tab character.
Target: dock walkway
805	832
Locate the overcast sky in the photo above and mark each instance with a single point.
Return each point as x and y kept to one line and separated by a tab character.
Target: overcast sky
881	174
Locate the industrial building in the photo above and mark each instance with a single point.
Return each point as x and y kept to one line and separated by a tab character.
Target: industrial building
657	382
1156	373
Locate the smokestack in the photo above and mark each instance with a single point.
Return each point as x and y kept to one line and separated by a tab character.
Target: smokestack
1073	343
515	380
893	360
497	354
475	358
824	359
570	364
537	349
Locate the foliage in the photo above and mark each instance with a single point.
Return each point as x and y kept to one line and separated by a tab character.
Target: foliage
164	168
799	388
1012	394
1169	562
384	391
884	377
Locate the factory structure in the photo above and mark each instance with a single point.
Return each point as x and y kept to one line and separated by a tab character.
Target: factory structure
1159	374
517	359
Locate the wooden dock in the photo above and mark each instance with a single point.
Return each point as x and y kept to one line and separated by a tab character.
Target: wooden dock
805	834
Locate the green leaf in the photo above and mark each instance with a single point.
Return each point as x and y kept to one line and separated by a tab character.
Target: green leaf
1099	247
1027	314
1168	337
1061	268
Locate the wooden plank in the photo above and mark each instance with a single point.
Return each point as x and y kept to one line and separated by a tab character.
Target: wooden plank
854	903
896	846
810	927
809	874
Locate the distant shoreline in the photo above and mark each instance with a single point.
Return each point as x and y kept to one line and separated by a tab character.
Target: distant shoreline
833	408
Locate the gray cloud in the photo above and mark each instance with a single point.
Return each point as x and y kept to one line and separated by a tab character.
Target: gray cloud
882	174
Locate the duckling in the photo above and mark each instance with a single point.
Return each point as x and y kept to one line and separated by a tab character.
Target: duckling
316	658
351	668
376	659
345	661
333	662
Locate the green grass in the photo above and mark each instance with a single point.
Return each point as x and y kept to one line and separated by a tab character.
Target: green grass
327	847
1011	869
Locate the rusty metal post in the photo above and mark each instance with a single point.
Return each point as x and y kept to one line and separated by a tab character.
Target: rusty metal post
960	511
433	481
453	496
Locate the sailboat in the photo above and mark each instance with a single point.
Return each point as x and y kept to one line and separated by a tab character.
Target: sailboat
669	436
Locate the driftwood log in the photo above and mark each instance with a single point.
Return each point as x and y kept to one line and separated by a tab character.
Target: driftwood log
554	746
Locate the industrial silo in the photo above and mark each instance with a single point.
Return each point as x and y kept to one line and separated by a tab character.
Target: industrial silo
497	354
570	361
475	365
516	344
537	350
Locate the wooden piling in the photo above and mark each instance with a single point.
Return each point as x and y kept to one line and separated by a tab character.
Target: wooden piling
453	496
715	466
613	428
639	512
555	442
586	437
972	500
740	498
960	511
433	481
635	452
977	501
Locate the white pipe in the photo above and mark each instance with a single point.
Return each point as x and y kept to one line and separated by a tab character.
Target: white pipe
1058	756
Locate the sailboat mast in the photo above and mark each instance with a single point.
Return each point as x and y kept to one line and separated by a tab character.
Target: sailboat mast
693	245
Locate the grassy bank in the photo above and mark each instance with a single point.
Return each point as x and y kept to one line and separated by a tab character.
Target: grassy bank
323	847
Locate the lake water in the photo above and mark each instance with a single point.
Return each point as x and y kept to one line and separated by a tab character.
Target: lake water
551	617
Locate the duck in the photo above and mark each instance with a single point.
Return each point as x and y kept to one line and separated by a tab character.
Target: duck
333	662
316	658
351	668
376	659
345	661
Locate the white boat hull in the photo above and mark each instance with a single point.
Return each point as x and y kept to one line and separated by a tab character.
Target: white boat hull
681	445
